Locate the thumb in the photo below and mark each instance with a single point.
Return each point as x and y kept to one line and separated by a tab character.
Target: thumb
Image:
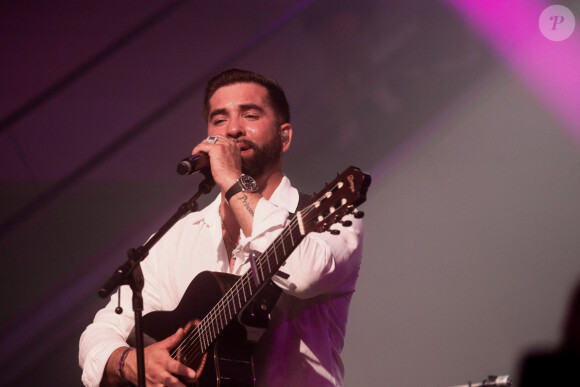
174	339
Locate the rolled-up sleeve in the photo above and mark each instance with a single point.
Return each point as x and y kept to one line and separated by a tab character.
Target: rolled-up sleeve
107	333
322	263
110	330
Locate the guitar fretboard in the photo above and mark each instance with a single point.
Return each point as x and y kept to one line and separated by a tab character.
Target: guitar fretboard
243	291
263	268
338	198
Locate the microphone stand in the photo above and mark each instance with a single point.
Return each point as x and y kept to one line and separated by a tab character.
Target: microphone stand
130	272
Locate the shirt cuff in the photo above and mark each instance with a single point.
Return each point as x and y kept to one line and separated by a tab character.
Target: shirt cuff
94	366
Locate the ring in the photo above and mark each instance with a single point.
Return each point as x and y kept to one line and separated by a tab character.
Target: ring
211	139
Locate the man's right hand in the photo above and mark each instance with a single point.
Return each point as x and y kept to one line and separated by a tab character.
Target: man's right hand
160	368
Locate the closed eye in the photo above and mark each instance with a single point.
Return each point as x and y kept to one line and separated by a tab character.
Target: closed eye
252	111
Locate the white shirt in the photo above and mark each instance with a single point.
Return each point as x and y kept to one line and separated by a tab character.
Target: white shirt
303	342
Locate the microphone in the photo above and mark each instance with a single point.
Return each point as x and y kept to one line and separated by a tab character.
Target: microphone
193	164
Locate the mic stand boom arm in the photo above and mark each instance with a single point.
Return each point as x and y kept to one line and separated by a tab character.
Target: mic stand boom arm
130	272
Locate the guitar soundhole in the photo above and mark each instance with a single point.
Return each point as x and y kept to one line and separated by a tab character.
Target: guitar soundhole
196	361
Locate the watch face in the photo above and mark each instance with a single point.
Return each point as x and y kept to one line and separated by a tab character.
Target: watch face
248	183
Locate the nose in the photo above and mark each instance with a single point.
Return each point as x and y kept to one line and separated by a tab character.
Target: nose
235	129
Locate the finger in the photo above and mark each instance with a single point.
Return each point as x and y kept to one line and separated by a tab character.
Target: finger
209	148
215	139
201	147
207	143
171	381
177	368
219	139
174	339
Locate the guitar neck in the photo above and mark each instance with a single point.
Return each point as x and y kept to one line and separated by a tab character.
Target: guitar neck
263	268
339	197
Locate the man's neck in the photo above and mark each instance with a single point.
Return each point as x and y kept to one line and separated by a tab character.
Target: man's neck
268	184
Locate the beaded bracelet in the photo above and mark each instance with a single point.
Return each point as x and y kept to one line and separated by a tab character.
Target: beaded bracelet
122	363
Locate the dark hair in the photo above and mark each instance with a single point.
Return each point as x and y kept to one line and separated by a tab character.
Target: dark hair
232	76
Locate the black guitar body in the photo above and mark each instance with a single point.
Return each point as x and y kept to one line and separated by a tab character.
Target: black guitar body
230	359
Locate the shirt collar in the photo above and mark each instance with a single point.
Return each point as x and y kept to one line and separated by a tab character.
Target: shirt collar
285	195
209	215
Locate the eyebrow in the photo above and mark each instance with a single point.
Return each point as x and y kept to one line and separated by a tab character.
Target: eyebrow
243	107
251	106
217	112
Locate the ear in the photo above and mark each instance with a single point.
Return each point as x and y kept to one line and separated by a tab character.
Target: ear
285	132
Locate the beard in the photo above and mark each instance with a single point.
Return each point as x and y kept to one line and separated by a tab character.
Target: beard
264	157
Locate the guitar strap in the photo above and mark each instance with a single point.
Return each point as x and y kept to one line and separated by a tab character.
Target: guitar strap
257	312
303	199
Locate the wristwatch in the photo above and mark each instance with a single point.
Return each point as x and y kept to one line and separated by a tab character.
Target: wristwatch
244	183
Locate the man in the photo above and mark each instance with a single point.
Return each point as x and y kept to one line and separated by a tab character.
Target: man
249	129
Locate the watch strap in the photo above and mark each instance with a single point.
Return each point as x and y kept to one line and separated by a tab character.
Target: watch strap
239	187
234	189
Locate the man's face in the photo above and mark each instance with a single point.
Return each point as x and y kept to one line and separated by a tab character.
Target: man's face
243	111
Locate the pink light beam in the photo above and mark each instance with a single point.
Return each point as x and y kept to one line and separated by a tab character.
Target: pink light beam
551	69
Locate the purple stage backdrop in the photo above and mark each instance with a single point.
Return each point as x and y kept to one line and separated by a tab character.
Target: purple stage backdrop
465	112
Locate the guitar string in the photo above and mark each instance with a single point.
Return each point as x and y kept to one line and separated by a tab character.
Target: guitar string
245	279
213	324
221	306
213	316
207	326
214	320
196	332
224	303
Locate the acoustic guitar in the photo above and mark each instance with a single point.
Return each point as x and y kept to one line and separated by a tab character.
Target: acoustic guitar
224	314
